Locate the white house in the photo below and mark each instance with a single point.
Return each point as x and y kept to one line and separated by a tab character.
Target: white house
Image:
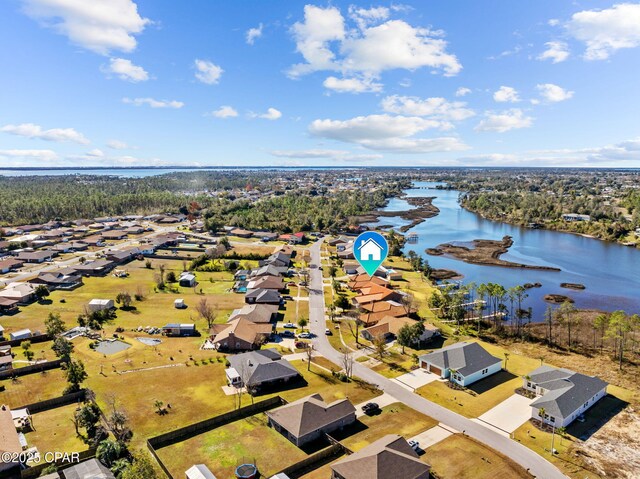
563	395
465	363
100	304
369	250
21	334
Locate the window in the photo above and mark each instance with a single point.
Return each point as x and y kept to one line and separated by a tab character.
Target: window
553	419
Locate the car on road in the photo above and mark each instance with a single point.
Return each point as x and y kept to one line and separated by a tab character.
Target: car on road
415	445
289	326
370	408
328	332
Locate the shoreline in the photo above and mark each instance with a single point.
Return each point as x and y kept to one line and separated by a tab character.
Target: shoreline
423	210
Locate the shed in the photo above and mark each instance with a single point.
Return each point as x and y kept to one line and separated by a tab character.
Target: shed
199	471
100	304
179	304
21	334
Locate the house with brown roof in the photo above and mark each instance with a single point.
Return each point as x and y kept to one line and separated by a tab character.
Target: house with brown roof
360	281
256	313
241	233
23	293
310	418
374	312
8	305
10	264
112	235
374	292
266	282
58	280
36	256
390	457
9	441
389	327
239	334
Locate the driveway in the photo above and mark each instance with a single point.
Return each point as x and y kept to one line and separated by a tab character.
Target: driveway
382	401
509	415
416	379
432	436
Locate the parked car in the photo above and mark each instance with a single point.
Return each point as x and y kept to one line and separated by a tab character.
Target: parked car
287	334
415	445
305	335
328	332
370	407
287	298
289	326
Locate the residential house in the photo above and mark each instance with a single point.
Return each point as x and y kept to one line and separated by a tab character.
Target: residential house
6	359
175	329
360	281
563	395
279	260
465	363
266	282
113	235
268	270
263	296
340	240
98	267
58	280
390	457
389	326
9	441
199	471
256	313
9	264
310	418
266	236
1	332
93	240
23	293
239	334
8	306
90	469
20	334
187	280
374	293
575	217
240	233
122	256
36	256
100	305
259	370
374	312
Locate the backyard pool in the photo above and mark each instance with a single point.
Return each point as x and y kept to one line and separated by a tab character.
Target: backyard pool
111	346
150	341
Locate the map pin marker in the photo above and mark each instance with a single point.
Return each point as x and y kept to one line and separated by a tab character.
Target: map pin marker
370	250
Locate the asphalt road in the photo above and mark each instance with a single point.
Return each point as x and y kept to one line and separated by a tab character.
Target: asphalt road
536	464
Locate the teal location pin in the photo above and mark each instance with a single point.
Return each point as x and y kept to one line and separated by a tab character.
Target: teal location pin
370	250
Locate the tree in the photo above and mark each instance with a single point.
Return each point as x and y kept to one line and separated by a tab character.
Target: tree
141	468
405	336
302	322
124	298
332	312
62	347
54	325
347	362
118	422
380	346
619	325
88	417
75	374
26	350
354	328
309	354
548	319
601	323
566	315
408	303
41	292
109	451
171	277
207	312
159	406
332	271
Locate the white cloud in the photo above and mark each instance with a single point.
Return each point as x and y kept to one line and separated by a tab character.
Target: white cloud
225	111
606	31
153	103
352	85
253	34
125	70
553	22
386	133
118	145
556	52
31	130
504	121
553	93
96	153
365	17
462	91
506	94
97	25
44	155
337	155
208	72
271	114
325	44
438	108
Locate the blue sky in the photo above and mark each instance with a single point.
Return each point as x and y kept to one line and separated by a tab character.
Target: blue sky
464	82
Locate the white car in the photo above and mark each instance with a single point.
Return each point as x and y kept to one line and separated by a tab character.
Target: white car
415	445
289	325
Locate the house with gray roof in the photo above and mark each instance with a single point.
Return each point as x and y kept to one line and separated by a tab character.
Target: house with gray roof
263	296
563	395
310	418
92	468
258	370
390	457
464	363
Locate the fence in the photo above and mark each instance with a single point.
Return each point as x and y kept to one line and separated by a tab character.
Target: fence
314	461
56	402
187	432
39	338
34	368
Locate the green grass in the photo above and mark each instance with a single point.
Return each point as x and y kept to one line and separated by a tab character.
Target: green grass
55	432
396	418
459	457
224	448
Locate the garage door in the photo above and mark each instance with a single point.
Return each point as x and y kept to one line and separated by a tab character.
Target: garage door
435	370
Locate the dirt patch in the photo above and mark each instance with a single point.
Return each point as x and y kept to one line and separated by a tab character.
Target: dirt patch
423	209
614	450
485	252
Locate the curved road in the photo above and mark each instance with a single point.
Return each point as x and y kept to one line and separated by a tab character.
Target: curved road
536	464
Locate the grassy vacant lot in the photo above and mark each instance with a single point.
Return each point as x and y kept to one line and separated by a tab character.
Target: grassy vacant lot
55	432
396	418
459	457
224	448
32	388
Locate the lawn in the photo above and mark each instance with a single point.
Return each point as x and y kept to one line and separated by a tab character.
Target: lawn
32	388
396	418
224	448
460	457
55	432
486	393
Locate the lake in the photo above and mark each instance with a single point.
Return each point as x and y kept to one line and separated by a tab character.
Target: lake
610	272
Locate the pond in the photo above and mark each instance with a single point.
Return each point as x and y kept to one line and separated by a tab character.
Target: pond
150	341
111	346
